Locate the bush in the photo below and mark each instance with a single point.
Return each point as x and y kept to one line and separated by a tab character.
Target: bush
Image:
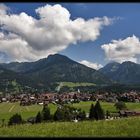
15	119
81	115
120	105
67	113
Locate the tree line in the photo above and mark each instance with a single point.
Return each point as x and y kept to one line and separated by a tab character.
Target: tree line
66	113
63	113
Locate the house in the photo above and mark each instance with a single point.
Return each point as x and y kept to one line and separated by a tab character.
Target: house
4	99
127	113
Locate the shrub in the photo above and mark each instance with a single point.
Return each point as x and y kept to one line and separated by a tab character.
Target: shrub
15	119
120	105
68	113
82	115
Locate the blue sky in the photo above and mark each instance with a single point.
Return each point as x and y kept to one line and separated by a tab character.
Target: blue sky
124	29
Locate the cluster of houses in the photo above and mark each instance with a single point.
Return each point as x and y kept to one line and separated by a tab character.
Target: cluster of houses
73	97
131	96
45	98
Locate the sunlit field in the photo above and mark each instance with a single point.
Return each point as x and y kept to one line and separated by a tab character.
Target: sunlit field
8	109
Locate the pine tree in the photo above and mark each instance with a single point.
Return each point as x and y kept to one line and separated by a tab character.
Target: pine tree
92	113
38	117
46	115
99	113
59	114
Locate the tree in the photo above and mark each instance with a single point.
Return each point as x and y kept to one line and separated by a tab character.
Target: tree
46	115
107	114
59	114
38	118
65	112
91	112
15	119
82	115
120	105
99	113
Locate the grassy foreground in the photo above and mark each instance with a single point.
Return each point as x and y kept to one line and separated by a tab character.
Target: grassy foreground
124	127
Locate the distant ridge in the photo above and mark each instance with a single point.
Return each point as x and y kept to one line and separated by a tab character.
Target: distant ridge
126	73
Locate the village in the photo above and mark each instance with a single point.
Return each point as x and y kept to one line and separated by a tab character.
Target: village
75	97
71	97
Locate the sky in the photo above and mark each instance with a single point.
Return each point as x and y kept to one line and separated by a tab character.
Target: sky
93	34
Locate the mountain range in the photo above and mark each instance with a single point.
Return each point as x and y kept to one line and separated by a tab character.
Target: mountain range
125	73
54	68
59	68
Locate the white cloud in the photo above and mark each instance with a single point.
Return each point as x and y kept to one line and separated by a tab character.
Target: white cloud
53	32
3	9
123	50
91	64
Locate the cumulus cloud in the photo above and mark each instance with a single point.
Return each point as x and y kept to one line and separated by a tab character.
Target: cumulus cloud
91	64
28	39
3	9
123	49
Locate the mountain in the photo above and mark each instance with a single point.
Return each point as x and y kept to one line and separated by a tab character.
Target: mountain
10	79
54	68
110	70
58	68
125	73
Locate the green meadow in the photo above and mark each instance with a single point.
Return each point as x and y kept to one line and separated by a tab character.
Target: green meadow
8	109
76	84
124	127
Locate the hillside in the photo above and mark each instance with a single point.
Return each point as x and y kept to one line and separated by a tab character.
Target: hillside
9	80
125	73
54	68
57	68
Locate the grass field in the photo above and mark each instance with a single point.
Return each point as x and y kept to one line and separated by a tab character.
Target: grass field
124	127
8	109
106	106
76	84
